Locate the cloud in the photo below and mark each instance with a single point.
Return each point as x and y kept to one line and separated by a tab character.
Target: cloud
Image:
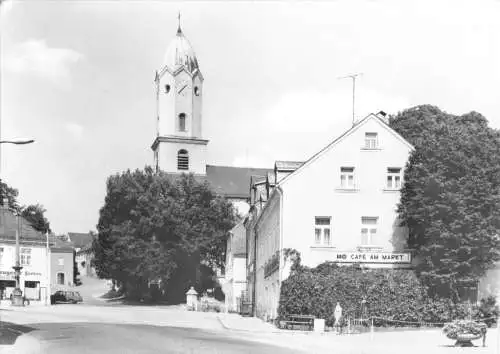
36	58
75	129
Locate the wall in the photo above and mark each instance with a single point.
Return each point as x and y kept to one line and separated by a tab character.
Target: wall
66	268
167	156
268	243
315	191
87	269
36	271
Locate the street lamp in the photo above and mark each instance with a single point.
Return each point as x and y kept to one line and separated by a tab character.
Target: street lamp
17	294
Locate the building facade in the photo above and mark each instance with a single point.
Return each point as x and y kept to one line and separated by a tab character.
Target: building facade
339	206
235	272
33	257
61	265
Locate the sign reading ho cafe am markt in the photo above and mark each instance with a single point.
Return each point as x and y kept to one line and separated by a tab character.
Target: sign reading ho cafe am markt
369	257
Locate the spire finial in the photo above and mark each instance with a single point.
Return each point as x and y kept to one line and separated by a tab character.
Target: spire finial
179	22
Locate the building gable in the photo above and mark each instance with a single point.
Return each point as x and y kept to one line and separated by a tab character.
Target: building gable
368	120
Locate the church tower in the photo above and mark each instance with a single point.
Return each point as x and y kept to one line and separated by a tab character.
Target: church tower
179	146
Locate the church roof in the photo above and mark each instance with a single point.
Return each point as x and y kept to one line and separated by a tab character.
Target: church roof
180	54
233	182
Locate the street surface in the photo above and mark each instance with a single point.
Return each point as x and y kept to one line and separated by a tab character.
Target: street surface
98	326
64	338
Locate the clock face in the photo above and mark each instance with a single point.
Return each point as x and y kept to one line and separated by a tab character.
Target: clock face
182	87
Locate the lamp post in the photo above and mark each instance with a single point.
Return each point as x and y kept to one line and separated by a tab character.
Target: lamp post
17	294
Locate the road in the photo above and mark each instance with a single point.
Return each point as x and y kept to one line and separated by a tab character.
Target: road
64	338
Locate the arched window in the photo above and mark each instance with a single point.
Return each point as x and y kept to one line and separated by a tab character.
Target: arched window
182	160
182	122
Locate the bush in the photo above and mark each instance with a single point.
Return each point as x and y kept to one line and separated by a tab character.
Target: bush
393	297
488	310
456	328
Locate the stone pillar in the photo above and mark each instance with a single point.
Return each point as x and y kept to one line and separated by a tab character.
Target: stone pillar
319	325
191	299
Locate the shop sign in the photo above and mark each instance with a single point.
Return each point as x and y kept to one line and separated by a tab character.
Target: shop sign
7	275
372	257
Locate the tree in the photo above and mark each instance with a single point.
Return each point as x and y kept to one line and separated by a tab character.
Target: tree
34	214
450	200
161	228
11	194
76	273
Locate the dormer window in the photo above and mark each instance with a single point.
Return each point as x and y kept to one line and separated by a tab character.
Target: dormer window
182	160
182	122
371	141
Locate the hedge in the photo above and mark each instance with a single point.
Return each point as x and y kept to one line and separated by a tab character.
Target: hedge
392	294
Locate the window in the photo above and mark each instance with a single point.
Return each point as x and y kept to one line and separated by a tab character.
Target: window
347	177
182	122
182	160
196	91
322	231
167	88
60	278
25	256
368	230
371	140
60	261
393	178
1	255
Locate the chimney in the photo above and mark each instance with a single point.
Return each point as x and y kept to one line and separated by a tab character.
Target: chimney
382	115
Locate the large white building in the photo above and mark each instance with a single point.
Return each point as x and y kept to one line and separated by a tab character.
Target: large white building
340	206
33	257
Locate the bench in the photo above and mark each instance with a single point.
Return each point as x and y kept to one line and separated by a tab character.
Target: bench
299	320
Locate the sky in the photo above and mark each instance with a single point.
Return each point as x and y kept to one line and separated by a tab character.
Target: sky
77	76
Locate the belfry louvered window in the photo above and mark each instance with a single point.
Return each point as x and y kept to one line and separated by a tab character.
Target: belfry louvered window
182	160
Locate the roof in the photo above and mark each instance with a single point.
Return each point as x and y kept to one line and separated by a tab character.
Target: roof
79	240
347	133
60	245
180	53
238	241
232	182
288	165
271	178
8	227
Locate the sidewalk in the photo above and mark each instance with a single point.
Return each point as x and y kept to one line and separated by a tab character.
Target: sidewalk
379	342
237	322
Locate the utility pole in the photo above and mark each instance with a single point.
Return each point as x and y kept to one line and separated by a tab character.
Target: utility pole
353	77
17	293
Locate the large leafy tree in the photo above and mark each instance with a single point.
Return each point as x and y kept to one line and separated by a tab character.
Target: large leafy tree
451	197
157	227
9	193
35	215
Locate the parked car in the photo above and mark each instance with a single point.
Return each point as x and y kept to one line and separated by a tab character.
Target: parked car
66	297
